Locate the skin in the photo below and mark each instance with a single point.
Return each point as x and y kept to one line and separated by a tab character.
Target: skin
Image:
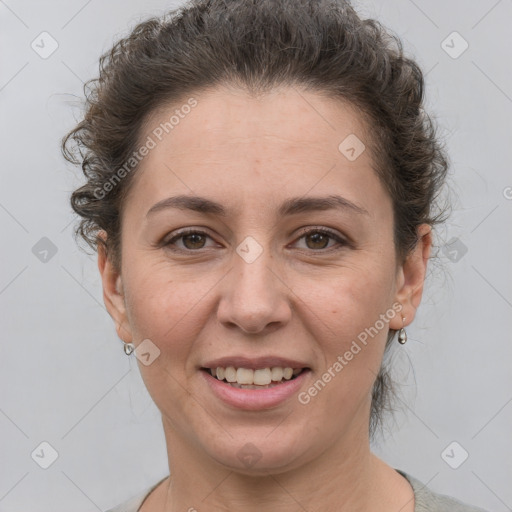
303	298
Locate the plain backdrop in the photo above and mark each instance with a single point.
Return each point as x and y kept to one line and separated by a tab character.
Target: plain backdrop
64	379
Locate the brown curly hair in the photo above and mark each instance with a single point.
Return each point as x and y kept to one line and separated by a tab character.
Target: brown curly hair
320	45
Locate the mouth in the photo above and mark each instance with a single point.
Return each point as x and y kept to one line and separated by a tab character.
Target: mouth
248	378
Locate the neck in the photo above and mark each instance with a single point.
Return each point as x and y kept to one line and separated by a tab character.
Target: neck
346	477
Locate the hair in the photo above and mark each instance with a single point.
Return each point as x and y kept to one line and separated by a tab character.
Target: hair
322	46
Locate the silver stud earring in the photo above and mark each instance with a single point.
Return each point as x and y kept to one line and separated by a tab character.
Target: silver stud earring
402	335
128	348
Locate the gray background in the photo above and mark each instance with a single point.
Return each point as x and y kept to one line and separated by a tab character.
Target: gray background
64	378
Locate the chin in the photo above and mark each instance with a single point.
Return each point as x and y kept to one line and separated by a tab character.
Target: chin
259	456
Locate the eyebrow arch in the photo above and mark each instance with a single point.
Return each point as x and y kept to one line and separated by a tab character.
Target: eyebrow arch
291	206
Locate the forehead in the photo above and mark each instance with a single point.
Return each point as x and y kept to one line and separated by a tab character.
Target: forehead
228	116
230	143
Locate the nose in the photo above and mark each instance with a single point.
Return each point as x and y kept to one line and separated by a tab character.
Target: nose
255	298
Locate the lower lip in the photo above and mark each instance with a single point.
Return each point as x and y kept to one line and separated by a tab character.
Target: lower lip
255	399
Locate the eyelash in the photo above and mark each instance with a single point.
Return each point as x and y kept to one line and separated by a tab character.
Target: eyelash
323	231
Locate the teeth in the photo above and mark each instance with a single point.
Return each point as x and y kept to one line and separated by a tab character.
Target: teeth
252	386
261	377
245	376
277	374
252	379
230	374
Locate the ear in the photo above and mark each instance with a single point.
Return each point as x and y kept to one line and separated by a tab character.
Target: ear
411	277
113	294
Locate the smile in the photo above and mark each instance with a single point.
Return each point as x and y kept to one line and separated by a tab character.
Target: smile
246	378
239	388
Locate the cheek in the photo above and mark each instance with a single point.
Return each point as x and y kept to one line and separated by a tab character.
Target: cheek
166	305
351	298
349	317
162	305
350	336
171	313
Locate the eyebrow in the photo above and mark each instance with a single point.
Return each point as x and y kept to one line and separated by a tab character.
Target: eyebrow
291	206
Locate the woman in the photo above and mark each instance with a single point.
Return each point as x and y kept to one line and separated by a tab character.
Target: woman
261	185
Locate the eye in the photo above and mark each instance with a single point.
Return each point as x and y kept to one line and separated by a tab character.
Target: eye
319	237
192	239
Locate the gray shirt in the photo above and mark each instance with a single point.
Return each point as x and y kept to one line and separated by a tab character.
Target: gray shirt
426	499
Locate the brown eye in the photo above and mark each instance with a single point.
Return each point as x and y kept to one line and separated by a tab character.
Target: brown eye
191	240
318	239
196	241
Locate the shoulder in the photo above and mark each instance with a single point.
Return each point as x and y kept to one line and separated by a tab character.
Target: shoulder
427	500
134	503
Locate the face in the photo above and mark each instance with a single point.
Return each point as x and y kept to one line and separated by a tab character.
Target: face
262	271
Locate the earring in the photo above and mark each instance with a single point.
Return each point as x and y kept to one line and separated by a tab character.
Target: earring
128	348
402	335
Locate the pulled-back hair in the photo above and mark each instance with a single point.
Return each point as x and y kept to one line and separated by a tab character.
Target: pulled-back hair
318	45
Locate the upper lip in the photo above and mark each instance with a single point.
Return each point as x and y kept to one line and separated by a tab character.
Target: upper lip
254	363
